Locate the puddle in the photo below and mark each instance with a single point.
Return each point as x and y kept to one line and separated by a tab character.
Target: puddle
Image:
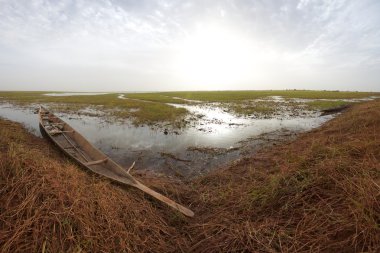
211	113
122	96
187	100
213	140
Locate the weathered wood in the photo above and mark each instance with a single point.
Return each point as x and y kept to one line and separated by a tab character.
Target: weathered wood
76	148
130	168
80	147
60	132
96	162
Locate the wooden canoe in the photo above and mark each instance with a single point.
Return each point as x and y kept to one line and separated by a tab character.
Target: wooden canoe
84	153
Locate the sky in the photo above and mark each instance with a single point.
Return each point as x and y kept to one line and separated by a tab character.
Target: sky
147	45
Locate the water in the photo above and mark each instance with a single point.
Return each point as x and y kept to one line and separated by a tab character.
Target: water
25	116
221	129
214	139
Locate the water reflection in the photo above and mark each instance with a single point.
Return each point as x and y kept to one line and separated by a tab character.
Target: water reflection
25	116
176	153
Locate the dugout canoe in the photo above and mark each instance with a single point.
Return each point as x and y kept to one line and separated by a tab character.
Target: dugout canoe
74	145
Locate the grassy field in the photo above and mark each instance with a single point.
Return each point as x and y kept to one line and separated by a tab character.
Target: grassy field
152	108
319	193
256	108
141	112
231	96
326	104
155	97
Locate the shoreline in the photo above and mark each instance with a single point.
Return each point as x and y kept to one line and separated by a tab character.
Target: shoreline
318	192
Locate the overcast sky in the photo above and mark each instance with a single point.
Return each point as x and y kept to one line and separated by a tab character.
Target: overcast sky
142	45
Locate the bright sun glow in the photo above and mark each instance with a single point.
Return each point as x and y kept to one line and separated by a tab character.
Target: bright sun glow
215	56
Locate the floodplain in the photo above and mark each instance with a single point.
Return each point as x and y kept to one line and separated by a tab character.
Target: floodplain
182	134
316	192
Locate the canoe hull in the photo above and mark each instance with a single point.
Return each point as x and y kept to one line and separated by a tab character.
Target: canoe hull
76	147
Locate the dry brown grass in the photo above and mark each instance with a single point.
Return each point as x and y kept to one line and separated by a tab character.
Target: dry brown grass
320	193
50	205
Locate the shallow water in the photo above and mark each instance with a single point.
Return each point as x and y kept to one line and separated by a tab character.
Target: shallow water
22	115
214	139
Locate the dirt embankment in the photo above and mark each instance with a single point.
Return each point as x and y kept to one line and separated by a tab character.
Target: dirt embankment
320	192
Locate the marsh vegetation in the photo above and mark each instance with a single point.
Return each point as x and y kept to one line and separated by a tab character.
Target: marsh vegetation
152	108
162	130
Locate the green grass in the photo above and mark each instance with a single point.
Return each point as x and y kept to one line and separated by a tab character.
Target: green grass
151	108
258	108
228	96
219	96
21	96
141	112
326	104
155	97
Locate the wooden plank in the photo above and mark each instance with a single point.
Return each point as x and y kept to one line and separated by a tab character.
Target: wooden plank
77	149
96	162
53	132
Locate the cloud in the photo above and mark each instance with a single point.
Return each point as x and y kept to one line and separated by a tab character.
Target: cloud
133	44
